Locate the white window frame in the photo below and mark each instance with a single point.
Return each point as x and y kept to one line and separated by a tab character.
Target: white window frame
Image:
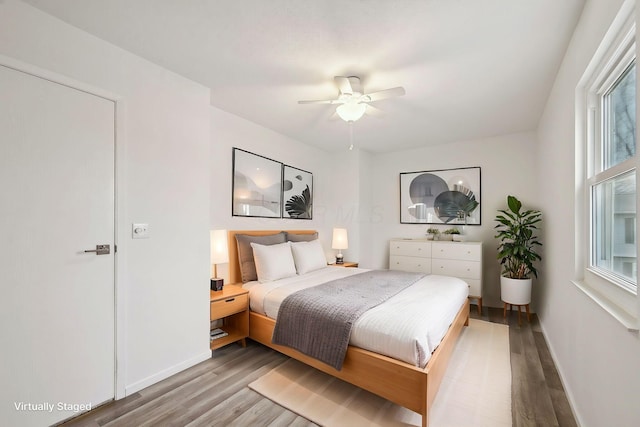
616	52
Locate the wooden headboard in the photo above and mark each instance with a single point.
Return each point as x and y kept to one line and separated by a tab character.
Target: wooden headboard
234	264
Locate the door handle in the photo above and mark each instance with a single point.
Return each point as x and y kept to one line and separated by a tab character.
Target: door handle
100	250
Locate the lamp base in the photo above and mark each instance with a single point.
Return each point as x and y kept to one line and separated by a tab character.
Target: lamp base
217	284
339	259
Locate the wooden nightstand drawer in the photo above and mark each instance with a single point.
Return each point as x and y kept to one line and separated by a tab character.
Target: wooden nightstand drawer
228	306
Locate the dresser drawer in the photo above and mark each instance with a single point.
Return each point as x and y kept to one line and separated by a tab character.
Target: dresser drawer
410	248
461	269
475	287
409	263
456	250
229	306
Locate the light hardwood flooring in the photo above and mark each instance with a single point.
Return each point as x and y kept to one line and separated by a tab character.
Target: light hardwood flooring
215	392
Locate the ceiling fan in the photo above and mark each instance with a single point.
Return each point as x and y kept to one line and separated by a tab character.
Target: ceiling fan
353	102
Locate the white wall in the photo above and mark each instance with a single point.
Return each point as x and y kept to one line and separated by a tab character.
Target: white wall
163	173
598	359
360	190
507	167
228	131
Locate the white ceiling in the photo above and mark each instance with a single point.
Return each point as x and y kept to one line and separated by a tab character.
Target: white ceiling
471	68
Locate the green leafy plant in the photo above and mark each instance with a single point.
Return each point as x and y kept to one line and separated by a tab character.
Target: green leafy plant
516	231
451	231
433	231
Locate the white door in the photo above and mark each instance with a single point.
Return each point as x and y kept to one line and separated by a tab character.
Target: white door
57	322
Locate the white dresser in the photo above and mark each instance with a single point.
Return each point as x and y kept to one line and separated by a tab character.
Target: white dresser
457	259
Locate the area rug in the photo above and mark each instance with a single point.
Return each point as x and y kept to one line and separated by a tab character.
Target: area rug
476	389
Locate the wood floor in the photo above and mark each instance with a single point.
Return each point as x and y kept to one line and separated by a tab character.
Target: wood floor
215	392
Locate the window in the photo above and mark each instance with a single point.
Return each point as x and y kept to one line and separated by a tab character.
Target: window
619	119
607	162
612	176
613	227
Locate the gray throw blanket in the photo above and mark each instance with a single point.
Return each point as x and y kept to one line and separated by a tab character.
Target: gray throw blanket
317	321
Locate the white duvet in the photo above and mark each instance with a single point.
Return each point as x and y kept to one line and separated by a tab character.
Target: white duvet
407	327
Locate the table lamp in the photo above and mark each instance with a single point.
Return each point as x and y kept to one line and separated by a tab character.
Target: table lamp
219	255
340	241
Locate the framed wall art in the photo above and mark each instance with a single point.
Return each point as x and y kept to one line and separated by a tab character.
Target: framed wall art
297	193
257	185
446	196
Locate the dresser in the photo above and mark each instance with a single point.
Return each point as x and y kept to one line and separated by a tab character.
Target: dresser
457	259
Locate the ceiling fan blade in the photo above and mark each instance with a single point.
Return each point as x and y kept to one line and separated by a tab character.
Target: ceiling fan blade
324	101
384	94
344	85
373	111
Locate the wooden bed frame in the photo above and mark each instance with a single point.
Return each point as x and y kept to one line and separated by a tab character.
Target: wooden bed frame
404	384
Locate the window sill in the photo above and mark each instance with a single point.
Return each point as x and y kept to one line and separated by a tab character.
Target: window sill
628	321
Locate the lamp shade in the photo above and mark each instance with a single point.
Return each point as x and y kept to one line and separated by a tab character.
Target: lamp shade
340	240
351	111
219	247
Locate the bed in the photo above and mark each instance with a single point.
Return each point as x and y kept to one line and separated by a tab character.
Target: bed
399	381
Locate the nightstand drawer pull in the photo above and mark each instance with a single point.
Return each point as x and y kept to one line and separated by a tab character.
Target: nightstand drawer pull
230	300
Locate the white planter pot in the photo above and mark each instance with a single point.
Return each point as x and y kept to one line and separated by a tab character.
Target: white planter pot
515	291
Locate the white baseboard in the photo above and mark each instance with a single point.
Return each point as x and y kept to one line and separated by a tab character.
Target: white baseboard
150	380
567	390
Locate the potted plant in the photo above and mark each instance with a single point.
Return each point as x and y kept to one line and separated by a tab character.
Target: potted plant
517	251
432	233
454	234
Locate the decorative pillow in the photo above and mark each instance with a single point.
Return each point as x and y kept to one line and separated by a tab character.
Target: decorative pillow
245	252
308	256
273	262
291	237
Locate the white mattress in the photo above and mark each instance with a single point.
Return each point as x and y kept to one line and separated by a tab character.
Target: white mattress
407	327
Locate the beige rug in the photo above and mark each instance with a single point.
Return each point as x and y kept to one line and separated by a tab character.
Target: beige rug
476	390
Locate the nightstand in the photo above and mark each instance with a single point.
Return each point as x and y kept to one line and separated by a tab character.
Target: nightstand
231	305
346	264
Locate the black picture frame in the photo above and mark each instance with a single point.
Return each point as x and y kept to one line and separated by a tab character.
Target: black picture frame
444	196
297	193
256	185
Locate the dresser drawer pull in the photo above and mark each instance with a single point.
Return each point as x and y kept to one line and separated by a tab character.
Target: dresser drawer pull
230	300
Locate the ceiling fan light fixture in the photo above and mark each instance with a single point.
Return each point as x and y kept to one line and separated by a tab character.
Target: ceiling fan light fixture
350	111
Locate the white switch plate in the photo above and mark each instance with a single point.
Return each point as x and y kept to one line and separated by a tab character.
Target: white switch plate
140	231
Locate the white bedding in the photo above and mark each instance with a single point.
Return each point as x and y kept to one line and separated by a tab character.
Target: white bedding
407	327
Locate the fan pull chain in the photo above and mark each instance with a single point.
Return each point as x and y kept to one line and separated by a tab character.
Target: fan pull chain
350	135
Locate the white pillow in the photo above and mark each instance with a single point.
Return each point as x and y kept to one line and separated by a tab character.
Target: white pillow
308	256
273	262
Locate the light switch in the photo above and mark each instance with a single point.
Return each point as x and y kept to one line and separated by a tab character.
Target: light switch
140	231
